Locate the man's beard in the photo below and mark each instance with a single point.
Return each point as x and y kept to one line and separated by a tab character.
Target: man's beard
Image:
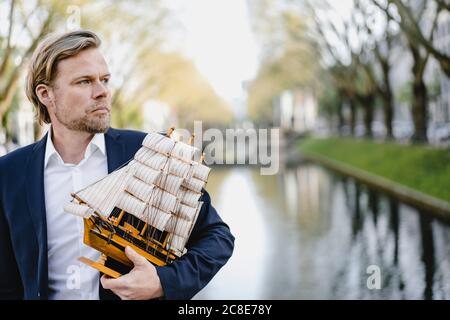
89	123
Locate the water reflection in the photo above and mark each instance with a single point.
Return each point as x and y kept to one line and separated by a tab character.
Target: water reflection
311	234
426	231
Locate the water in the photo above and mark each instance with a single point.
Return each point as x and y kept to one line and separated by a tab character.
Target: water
309	233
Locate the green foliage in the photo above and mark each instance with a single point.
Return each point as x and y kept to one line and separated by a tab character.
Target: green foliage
293	65
405	93
171	78
422	168
128	116
328	101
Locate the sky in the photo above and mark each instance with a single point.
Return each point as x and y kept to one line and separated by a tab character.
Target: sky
218	38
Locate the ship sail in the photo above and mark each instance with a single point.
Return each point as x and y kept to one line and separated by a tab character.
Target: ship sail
154	197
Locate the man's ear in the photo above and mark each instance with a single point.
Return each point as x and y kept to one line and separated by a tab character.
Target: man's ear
45	95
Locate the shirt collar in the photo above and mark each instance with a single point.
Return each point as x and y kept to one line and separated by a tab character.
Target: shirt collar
98	141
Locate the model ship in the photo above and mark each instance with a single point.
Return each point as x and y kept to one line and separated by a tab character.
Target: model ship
150	204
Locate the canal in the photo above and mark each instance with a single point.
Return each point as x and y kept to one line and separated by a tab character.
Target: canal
309	233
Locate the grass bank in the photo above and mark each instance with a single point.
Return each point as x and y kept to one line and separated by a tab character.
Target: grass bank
422	168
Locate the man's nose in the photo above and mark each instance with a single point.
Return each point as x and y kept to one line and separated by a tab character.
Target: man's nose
100	90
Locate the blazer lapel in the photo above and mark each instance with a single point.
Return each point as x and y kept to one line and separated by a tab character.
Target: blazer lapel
115	151
36	206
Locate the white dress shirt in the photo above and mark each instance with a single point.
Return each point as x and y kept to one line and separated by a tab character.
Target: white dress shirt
67	277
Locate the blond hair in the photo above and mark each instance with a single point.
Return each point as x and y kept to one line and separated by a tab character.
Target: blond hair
44	62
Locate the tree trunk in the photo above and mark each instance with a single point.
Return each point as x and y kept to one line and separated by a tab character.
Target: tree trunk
7	96
340	114
368	104
388	103
352	116
388	109
340	119
419	111
420	95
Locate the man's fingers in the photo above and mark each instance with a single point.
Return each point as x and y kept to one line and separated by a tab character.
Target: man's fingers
111	283
135	257
116	286
106	282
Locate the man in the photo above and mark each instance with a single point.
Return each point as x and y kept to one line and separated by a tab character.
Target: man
39	244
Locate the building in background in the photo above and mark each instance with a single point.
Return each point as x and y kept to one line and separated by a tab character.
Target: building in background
23	127
296	110
440	104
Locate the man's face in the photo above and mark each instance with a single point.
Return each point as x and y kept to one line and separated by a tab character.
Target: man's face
81	97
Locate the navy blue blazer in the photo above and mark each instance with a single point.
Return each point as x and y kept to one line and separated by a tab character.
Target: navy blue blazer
23	231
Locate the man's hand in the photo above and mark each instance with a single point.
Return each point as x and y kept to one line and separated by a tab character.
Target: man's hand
141	283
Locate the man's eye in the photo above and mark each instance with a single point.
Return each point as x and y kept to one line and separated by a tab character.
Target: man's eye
105	81
84	81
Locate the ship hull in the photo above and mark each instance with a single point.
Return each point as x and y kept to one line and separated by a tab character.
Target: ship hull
112	241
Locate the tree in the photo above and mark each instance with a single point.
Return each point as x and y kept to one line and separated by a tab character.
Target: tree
351	66
171	78
420	58
381	51
289	58
23	23
411	25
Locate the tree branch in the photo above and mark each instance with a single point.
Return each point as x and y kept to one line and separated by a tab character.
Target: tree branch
412	29
443	4
11	85
8	41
